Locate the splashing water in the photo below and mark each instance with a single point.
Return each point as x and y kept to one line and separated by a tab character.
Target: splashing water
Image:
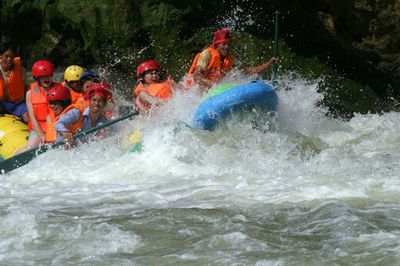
240	17
303	189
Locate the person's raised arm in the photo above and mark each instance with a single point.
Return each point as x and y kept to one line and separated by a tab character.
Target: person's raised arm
261	68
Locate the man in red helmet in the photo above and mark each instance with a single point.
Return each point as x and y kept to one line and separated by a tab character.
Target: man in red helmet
211	65
151	90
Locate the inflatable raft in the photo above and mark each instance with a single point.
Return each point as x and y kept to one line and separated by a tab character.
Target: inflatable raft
226	99
13	135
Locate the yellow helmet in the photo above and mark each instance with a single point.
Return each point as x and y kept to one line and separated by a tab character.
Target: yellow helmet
73	73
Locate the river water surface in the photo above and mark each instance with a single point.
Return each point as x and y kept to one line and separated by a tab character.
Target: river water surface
301	188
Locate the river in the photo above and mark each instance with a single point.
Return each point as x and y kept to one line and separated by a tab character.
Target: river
300	189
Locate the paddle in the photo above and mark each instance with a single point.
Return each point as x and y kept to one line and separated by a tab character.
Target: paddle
275	50
25	157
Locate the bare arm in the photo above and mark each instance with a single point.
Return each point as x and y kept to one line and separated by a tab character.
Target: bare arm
261	68
199	74
171	81
200	78
145	101
32	117
175	86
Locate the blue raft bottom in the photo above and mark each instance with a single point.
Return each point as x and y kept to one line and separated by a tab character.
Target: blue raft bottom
216	108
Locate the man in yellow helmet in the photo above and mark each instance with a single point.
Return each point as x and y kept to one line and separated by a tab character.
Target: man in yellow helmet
72	81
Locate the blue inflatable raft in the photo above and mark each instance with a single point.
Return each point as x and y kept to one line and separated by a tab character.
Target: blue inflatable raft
217	107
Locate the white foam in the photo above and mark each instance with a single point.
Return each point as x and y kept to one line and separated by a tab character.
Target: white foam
303	156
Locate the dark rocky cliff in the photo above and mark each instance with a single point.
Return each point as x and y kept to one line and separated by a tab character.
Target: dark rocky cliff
354	41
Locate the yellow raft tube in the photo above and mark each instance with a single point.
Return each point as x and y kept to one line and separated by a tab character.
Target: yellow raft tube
13	135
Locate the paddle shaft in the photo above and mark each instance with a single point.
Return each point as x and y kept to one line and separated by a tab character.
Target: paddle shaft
275	50
94	129
25	157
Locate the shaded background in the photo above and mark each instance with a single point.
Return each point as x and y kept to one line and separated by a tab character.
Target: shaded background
352	45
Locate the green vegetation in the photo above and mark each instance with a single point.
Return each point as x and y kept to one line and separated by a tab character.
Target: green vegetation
118	34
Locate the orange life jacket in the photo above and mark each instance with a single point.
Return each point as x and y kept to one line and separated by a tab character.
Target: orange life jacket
74	95
216	69
15	85
51	132
40	106
82	102
160	90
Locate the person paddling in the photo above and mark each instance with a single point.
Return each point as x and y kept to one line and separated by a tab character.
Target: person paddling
13	84
98	96
151	90
212	64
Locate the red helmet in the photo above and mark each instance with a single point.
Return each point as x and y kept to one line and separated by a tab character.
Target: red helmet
148	65
42	68
59	93
222	36
103	90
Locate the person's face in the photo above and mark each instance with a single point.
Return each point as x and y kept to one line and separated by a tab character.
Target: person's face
87	84
151	76
57	107
7	60
46	81
97	104
75	85
223	48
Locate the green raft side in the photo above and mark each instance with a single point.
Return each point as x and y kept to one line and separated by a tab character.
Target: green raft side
24	158
21	159
136	148
220	88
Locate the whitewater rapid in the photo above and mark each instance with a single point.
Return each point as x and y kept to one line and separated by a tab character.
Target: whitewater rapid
300	188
